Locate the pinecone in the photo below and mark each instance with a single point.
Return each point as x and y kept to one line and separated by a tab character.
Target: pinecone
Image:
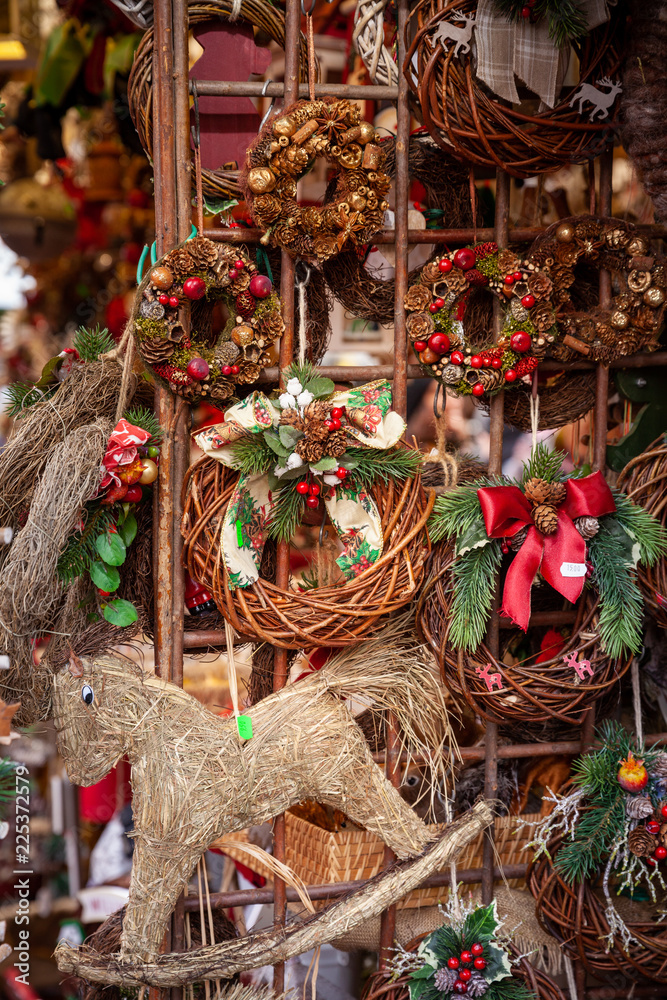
336	444
516	541
483	250
477	985
638	806
444	979
156	349
545	518
659	767
221	390
240	280
227	353
417	298
430	273
316	411
507	261
203	252
292	418
325	247
557	493
266	209
475	277
180	262
309	450
249	373
641	842
537	491
491	378
271	325
587	526
246	303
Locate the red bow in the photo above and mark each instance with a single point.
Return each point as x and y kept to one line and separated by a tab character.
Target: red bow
559	557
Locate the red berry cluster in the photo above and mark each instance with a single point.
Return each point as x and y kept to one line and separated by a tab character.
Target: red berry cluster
483	250
307	487
654	827
525	366
462	964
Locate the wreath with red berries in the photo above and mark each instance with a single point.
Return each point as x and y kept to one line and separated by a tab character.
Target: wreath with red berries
541	314
174	313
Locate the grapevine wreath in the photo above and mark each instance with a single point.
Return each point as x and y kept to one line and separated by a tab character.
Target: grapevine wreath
315	451
286	148
173	312
539	314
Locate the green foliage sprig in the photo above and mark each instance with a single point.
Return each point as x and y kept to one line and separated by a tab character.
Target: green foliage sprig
566	18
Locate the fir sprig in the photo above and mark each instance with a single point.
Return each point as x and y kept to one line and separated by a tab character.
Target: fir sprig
368	465
90	343
141	416
474	584
645	529
252	456
458	511
545	464
80	551
22	395
621	604
566	18
287	513
7	780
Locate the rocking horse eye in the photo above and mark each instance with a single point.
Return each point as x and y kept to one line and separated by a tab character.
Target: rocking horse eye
412	780
87	694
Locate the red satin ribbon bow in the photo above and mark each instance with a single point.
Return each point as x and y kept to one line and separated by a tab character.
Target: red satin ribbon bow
506	511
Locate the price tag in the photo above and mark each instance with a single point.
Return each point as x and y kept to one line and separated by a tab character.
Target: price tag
572	569
244	723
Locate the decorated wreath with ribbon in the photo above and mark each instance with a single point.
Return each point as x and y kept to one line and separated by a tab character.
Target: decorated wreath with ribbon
173	320
541	314
308	445
566	531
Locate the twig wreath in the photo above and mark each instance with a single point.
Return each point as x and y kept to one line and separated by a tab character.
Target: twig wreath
172	319
539	315
286	148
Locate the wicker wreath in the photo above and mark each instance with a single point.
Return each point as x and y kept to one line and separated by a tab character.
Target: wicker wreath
447	193
540	315
173	313
283	151
463	116
525	692
263	16
326	616
575	916
368	39
383	985
644	479
566	398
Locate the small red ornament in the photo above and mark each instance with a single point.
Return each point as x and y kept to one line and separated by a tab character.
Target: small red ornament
341	473
525	13
260	286
509	279
453	962
173	301
457	358
226	369
528	301
439	342
520	341
235	369
337	413
480	964
460	986
312	502
496	362
478	389
419	346
302	488
504	548
476	361
653	826
439	303
465	259
433	308
134	494
314	490
239	264
510	375
518	275
660	853
477	949
197	368
663	811
651	862
466	957
194	288
335	424
486	361
163	299
632	775
445	265
329	424
465	975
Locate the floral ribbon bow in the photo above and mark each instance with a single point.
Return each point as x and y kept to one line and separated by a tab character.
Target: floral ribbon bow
368	422
560	557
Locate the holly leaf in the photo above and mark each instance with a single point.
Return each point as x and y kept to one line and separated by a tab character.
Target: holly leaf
120	612
425	972
474	538
111	548
480	925
320	387
497	963
128	529
289	437
103	576
349	463
325	465
297	473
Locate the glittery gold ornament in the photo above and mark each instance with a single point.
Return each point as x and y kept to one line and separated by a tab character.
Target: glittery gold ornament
367	133
619	320
351	156
261	180
654	297
284	126
356	201
637	247
639	281
565	232
242	335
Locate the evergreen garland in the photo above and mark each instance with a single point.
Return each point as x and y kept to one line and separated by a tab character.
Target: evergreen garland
474	584
80	551
368	465
7	780
90	343
287	513
566	18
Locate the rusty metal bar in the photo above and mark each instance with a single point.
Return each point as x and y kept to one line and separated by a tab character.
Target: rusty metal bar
230	88
602	374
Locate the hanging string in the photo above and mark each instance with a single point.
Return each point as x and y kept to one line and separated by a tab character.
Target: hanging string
236	10
232	680
196	141
473	202
534	413
202	923
303	312
637	701
569	975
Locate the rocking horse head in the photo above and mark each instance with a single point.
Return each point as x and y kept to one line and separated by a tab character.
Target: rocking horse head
98	707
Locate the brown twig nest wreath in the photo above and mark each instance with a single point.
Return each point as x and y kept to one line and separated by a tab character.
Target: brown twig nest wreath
533	683
172	320
644	480
465	117
575	916
285	148
320	616
447	194
263	16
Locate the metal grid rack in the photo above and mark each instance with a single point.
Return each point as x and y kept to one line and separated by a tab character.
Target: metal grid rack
172	162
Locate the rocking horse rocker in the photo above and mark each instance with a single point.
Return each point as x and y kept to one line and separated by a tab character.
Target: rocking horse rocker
194	779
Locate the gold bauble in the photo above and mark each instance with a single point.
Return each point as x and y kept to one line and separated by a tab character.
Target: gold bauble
162	278
242	335
565	232
654	297
637	247
619	320
367	133
639	281
150	472
261	180
356	202
284	126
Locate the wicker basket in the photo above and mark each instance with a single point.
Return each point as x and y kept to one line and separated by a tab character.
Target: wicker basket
334	616
320	857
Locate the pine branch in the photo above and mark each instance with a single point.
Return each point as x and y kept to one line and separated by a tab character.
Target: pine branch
641	526
621	604
252	456
23	395
509	989
457	511
287	513
141	416
595	834
91	343
367	465
80	550
566	18
545	464
474	584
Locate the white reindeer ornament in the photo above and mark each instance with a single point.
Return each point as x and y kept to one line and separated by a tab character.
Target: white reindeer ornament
461	33
602	102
